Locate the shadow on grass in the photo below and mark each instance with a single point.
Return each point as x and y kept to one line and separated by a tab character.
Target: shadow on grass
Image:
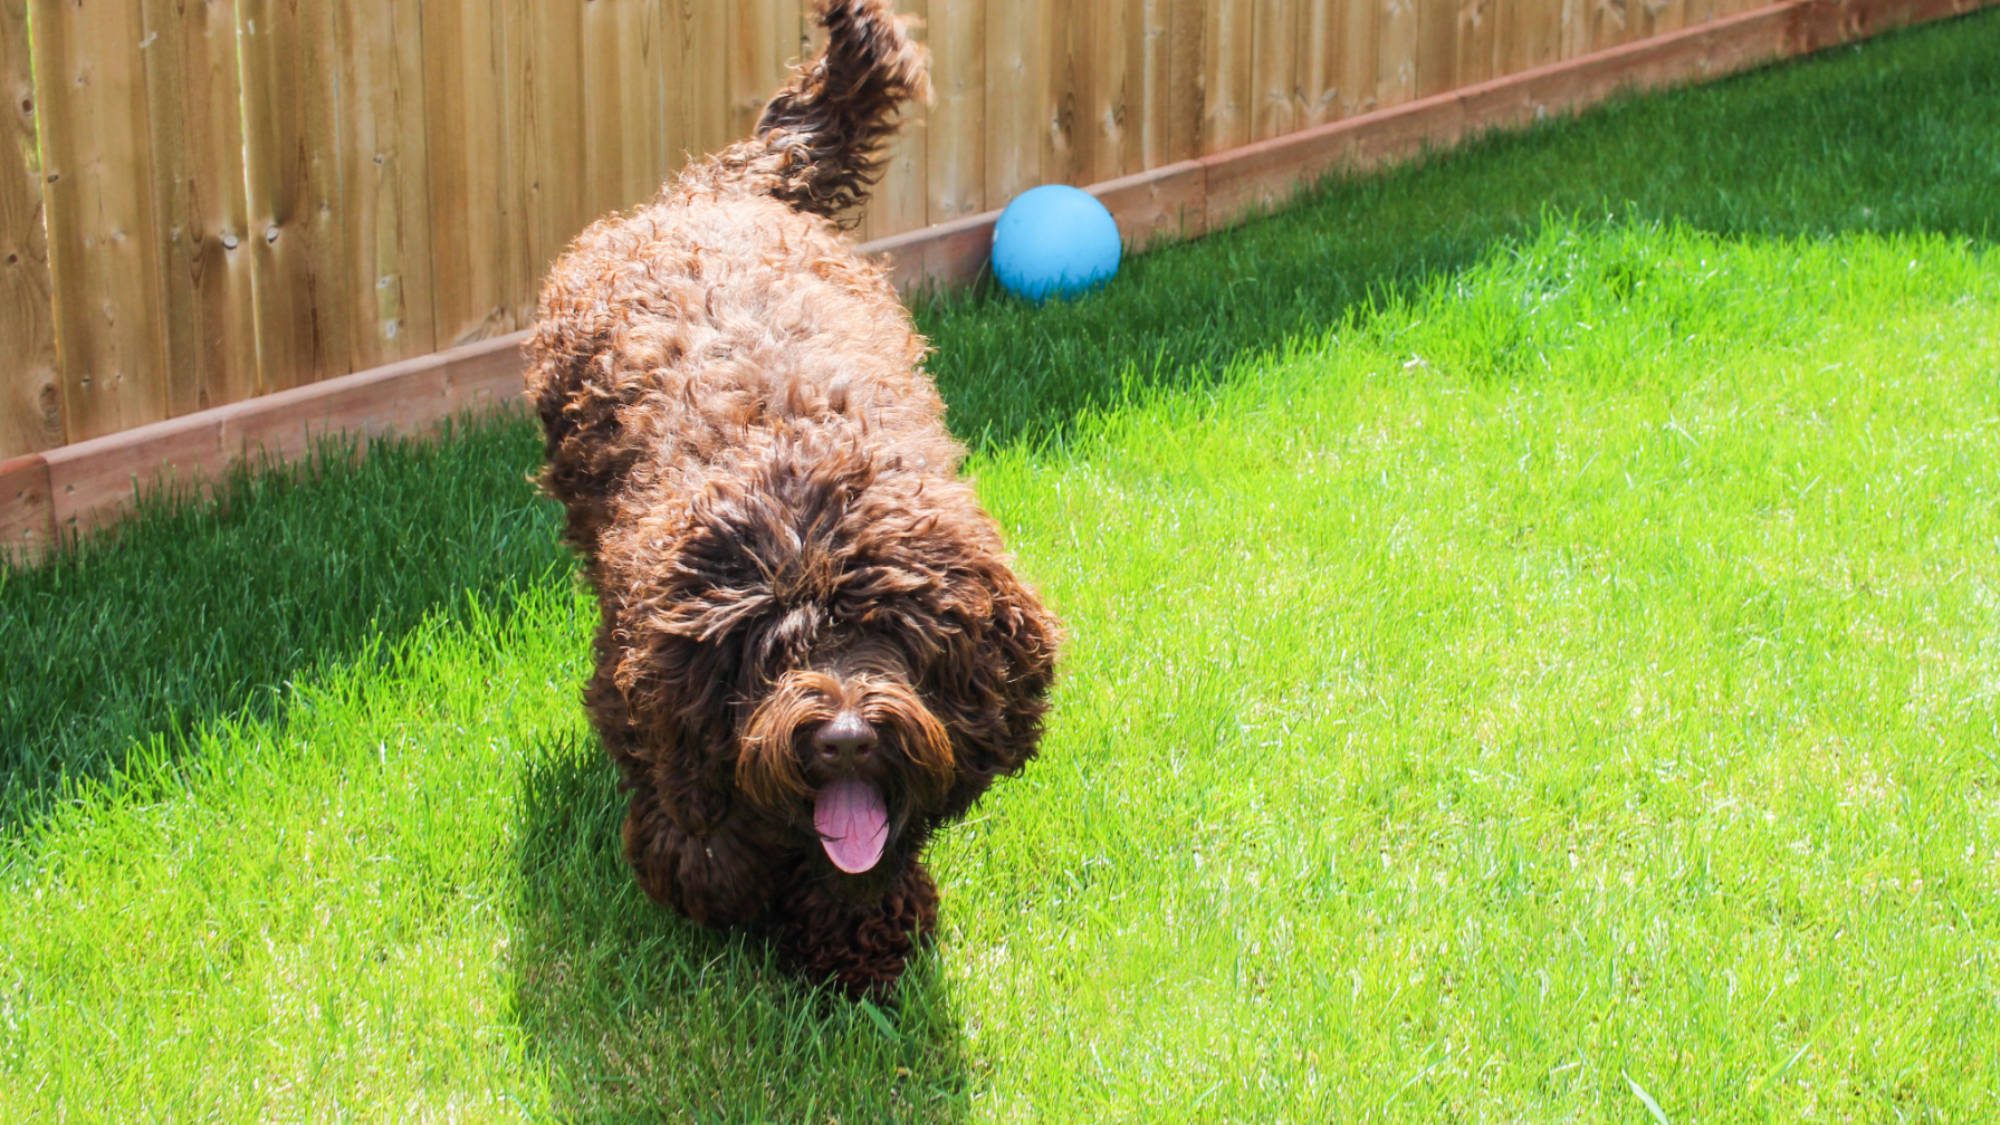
1891	136
194	612
637	1014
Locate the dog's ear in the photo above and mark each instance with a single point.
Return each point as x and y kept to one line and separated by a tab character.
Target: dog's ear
1000	645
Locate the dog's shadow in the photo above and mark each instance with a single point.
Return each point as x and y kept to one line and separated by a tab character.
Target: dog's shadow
635	1013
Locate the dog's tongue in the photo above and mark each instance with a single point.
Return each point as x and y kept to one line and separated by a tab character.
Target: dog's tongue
853	824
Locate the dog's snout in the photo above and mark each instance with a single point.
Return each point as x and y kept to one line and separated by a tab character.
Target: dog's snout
847	737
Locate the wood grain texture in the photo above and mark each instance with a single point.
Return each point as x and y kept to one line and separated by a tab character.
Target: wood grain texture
602	89
479	256
1274	65
1360	58
763	41
385	224
1187	82
30	396
302	275
1019	40
104	245
195	106
1396	52
1229	105
1319	60
1062	92
549	106
1437	46
955	124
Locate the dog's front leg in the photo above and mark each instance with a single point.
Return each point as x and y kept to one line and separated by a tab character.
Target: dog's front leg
716	877
862	945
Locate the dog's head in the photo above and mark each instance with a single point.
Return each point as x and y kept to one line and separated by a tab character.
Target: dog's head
847	642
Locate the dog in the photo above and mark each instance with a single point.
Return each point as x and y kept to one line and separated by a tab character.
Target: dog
813	650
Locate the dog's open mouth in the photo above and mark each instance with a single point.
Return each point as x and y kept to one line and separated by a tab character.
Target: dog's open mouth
853	824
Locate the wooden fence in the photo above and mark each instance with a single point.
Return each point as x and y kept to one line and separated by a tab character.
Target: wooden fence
203	201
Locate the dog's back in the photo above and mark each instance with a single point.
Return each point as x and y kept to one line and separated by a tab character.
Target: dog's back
731	310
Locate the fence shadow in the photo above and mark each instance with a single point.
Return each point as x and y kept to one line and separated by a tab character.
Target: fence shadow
194	611
636	1014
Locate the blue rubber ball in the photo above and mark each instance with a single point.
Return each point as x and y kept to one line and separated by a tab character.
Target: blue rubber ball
1054	241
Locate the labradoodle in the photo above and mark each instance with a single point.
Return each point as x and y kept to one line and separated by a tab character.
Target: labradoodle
812	650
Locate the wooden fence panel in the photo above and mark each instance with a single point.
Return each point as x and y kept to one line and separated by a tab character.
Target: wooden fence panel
203	200
30	396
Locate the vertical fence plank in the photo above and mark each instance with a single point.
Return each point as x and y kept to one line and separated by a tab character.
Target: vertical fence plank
1062	90
385	219
651	136
1152	129
1187	74
1318	62
957	118
301	285
699	86
901	198
1609	23
1359	56
1437	46
1274	64
1230	49
1105	53
1576	23
1017	53
30	397
1396	57
1108	58
603	89
104	246
195	103
763	42
478	243
550	96
1477	42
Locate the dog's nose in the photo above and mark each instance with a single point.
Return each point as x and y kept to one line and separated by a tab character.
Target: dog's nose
847	736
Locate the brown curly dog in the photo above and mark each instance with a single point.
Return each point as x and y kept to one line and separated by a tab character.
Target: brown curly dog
812	650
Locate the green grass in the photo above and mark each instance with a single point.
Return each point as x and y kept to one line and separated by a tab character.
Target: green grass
1536	662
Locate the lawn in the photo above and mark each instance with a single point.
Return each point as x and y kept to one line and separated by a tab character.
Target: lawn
1535	655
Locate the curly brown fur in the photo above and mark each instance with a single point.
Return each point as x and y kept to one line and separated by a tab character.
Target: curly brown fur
758	478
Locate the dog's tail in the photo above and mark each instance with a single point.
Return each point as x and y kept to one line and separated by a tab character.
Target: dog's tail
827	125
